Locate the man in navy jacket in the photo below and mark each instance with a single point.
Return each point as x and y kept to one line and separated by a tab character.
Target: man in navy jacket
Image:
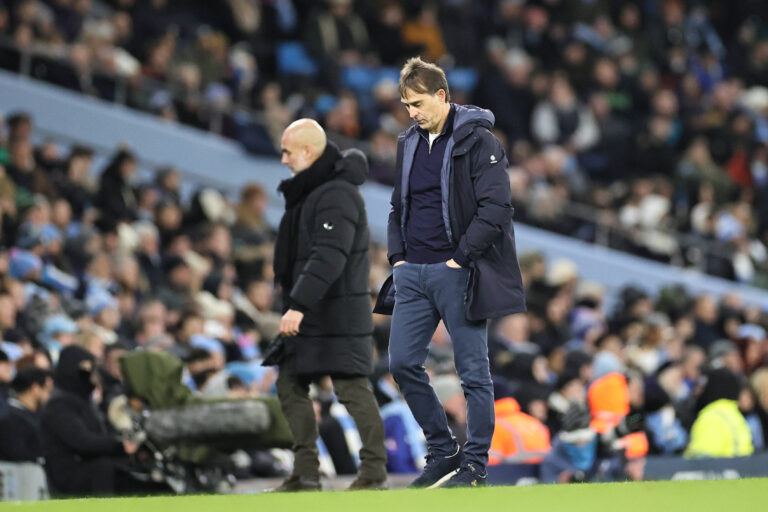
452	246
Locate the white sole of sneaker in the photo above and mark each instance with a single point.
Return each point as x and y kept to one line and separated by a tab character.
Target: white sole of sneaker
443	480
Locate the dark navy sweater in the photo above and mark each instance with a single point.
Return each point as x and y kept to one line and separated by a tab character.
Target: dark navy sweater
425	233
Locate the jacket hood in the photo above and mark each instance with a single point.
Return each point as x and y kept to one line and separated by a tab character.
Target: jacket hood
352	167
74	370
155	378
470	115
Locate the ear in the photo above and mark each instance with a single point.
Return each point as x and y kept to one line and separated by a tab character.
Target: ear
441	95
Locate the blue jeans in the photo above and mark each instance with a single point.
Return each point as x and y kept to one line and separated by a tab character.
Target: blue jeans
425	293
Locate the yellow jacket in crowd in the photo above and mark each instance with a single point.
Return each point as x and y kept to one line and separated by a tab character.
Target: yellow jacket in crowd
720	430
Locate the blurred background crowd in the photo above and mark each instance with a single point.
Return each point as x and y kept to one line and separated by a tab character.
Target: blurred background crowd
637	125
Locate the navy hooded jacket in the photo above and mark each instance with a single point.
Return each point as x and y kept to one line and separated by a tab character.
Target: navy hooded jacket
477	213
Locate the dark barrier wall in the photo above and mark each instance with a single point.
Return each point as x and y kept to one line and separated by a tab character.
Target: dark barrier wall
674	468
656	468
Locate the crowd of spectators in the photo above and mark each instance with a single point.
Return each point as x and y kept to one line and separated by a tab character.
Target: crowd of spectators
654	118
106	264
636	125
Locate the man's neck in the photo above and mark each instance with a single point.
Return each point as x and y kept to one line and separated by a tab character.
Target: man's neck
441	125
28	401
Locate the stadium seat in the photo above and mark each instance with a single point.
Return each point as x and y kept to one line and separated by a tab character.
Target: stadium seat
293	59
462	79
359	78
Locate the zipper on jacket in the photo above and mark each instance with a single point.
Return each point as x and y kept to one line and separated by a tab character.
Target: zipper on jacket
426	139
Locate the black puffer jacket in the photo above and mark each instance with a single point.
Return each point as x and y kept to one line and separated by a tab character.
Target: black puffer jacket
330	272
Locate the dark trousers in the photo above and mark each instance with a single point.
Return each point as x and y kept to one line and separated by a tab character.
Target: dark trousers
425	293
356	395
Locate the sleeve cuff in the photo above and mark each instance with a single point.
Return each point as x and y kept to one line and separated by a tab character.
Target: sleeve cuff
460	258
396	257
292	304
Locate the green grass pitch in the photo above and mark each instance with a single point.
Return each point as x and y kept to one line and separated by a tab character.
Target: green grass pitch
700	496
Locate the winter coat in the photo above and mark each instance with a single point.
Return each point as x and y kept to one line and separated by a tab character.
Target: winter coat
720	430
20	434
477	213
72	431
330	272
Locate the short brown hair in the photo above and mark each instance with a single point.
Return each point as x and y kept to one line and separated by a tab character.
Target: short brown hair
422	77
251	191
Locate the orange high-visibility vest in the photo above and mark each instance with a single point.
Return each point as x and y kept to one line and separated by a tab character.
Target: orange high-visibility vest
608	399
635	445
519	437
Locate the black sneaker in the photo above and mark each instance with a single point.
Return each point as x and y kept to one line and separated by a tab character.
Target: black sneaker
468	476
438	470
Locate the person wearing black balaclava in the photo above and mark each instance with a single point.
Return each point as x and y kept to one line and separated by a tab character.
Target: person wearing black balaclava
81	456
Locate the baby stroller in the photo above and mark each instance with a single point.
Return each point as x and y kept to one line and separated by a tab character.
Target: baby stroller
187	442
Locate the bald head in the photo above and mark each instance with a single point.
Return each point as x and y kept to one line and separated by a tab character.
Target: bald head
303	142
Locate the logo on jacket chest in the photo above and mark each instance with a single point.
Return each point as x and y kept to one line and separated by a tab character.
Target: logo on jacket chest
328	226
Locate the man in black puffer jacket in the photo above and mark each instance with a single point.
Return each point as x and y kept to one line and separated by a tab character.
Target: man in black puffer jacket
80	456
322	265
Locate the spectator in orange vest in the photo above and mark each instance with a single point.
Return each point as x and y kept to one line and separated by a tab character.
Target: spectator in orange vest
518	437
608	399
611	398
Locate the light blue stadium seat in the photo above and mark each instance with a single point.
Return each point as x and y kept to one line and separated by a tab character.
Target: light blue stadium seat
462	79
359	78
392	74
293	59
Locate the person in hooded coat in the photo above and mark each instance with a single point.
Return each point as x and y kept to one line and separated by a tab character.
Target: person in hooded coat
720	429
80	456
452	250
322	265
